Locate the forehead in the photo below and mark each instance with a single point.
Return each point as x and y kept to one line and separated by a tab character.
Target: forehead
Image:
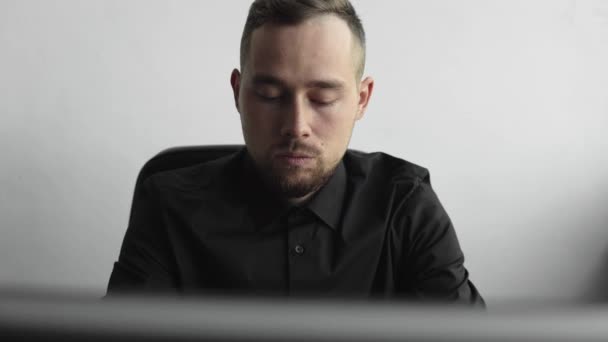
320	47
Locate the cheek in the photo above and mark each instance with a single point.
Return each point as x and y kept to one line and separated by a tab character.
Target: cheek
255	115
336	124
258	125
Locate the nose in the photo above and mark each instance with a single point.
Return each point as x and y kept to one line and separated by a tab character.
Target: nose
296	118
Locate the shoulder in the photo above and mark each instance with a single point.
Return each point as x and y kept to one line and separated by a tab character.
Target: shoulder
392	182
400	192
383	168
393	191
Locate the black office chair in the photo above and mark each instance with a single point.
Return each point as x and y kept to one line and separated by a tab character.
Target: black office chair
179	157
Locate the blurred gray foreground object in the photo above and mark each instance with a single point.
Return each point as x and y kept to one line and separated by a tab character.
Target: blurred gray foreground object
27	317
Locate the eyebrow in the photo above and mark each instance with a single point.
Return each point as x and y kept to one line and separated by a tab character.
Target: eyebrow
322	84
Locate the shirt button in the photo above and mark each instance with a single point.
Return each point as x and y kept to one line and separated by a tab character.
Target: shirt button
299	249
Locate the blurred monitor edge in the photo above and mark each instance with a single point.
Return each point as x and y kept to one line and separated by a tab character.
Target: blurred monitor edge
37	316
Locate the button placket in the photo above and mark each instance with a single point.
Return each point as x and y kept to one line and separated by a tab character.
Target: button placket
299	249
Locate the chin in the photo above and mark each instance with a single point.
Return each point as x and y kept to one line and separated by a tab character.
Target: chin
296	183
297	188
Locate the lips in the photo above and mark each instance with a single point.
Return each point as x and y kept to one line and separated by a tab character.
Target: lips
294	159
290	155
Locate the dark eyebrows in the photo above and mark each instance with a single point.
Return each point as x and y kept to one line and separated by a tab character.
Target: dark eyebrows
326	84
267	80
331	84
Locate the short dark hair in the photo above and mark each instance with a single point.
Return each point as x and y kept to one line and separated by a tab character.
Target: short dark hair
291	12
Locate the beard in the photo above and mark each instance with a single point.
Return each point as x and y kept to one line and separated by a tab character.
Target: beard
291	181
296	182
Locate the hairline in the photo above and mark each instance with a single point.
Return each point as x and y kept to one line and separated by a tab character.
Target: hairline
359	53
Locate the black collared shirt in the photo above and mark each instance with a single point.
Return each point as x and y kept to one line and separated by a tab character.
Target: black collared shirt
375	230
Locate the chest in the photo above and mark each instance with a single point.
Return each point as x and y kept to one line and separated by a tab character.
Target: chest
293	257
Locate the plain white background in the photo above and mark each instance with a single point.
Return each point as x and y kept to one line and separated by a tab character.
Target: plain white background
506	102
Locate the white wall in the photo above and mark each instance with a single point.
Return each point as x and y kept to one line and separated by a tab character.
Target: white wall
506	102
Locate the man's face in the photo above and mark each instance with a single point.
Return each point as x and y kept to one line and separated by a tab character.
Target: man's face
298	98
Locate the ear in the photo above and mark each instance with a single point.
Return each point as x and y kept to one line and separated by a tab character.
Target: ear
365	93
235	82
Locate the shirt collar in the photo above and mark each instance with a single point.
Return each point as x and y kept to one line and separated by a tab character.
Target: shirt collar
265	207
327	203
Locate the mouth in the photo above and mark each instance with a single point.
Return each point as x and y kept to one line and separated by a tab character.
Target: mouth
293	155
294	159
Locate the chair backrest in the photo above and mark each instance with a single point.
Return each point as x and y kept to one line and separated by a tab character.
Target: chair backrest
179	157
183	156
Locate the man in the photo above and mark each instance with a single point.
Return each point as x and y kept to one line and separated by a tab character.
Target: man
295	213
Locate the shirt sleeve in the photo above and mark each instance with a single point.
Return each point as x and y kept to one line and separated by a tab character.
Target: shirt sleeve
433	263
144	263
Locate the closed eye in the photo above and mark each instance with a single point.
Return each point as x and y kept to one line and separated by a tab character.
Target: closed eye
267	98
323	103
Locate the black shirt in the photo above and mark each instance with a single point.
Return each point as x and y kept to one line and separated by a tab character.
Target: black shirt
375	230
